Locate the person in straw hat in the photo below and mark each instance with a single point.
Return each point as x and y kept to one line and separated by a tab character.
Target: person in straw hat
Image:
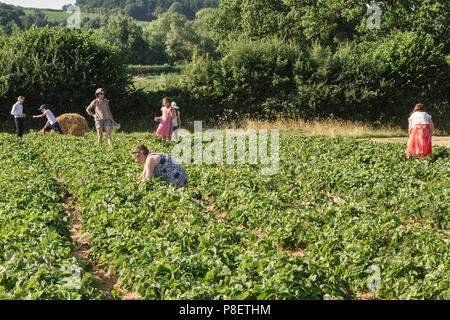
102	116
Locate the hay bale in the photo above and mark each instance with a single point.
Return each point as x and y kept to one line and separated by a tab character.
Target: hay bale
71	123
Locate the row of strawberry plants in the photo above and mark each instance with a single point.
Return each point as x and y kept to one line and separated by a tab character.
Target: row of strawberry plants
341	238
321	171
164	244
349	205
36	260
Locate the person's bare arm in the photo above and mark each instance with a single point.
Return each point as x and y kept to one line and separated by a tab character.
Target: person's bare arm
89	109
111	117
150	164
39	116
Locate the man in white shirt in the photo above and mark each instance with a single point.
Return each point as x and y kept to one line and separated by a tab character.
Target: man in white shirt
52	122
17	112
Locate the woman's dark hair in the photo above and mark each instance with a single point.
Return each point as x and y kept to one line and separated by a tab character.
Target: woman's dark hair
140	149
419	107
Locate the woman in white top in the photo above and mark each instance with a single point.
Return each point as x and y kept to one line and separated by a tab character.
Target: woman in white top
420	131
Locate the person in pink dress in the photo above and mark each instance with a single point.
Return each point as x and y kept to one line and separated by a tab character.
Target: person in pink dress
420	130
165	127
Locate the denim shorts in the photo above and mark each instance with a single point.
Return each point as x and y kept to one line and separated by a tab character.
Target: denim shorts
102	123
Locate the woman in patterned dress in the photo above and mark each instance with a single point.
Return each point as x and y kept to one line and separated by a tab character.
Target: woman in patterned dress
420	131
160	165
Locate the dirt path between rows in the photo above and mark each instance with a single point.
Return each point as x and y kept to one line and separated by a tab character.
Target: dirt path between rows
107	280
436	141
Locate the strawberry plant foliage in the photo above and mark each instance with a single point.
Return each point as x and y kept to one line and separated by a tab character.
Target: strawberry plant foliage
345	205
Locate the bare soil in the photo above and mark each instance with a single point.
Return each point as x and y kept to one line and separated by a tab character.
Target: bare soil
436	141
107	280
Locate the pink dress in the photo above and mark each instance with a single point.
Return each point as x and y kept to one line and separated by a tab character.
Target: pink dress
165	127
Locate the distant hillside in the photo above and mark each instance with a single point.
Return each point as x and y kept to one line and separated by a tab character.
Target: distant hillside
147	10
55	16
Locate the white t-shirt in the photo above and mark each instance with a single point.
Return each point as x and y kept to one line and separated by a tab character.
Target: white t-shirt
50	116
419	117
17	110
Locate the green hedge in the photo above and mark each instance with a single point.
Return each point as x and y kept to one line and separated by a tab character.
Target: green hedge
61	68
361	81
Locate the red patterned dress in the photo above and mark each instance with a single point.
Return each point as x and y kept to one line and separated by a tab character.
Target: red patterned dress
419	141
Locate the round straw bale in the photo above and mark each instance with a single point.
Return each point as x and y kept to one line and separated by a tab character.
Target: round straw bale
72	123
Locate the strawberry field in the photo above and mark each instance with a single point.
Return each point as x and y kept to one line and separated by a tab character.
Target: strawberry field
340	220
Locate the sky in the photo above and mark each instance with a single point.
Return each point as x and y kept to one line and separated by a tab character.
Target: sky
42	4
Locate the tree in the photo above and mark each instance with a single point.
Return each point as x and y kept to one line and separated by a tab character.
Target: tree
147	10
10	18
172	37
61	67
36	17
255	19
201	26
328	22
127	36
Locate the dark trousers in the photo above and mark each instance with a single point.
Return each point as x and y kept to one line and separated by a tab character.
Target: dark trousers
55	127
19	126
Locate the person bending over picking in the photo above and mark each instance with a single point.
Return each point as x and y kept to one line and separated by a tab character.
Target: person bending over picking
159	165
420	132
52	122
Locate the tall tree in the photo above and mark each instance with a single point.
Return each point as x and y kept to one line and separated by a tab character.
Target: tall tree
126	35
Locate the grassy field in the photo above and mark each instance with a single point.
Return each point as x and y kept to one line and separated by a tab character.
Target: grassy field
59	16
